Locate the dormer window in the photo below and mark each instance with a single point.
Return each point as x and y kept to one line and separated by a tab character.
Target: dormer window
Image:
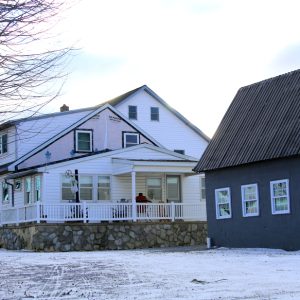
154	113
132	112
83	140
3	143
130	139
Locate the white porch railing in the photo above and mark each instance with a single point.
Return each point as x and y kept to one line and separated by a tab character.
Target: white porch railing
96	212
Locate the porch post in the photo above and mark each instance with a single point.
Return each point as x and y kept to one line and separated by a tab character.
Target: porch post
38	210
133	193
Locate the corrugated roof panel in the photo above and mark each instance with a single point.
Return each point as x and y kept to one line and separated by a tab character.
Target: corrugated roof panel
262	123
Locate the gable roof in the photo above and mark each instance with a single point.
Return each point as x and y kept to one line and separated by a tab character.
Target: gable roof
262	123
76	124
116	101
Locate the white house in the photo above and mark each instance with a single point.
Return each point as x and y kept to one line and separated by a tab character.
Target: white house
90	164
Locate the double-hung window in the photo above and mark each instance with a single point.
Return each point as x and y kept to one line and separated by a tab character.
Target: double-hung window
130	139
66	189
154	188
154	113
5	193
37	188
103	188
280	199
202	188
250	204
28	190
223	203
86	187
84	140
3	143
132	112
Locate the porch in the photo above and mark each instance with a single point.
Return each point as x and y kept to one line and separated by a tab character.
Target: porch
100	212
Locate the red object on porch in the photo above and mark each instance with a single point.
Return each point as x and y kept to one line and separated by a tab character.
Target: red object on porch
141	198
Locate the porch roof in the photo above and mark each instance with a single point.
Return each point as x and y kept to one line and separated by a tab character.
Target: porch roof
124	166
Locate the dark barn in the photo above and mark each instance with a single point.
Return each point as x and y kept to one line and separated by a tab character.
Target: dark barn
252	168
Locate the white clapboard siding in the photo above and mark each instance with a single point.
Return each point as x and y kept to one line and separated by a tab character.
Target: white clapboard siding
191	192
170	131
32	133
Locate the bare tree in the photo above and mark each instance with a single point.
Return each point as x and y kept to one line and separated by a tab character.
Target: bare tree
31	60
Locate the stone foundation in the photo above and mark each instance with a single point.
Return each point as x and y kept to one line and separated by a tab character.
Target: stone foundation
104	236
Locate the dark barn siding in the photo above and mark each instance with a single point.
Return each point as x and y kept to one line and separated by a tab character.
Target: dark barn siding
265	230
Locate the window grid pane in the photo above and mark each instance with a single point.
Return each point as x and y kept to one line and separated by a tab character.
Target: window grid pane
223	207
132	112
154	188
250	200
154	114
280	197
103	188
131	139
86	187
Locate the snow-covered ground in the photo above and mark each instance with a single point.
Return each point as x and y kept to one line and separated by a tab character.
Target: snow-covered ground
178	273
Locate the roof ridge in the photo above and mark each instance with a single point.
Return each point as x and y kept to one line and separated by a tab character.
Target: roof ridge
290	73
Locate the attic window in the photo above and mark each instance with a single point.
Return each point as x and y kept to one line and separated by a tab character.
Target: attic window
3	143
132	112
83	140
154	114
130	139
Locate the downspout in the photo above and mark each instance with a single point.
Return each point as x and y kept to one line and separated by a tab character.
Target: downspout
12	192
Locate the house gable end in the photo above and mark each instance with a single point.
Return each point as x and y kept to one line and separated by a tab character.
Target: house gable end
101	132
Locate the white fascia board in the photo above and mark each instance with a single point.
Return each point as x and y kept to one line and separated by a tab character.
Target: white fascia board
187	170
67	130
114	154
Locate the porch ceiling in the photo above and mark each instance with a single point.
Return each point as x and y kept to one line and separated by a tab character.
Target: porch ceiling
124	166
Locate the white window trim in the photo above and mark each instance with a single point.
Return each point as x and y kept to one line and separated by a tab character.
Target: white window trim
94	188
76	141
217	204
202	187
110	189
245	214
130	133
35	190
287	211
160	188
30	200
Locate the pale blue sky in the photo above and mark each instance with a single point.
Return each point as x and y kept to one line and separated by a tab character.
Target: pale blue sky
195	54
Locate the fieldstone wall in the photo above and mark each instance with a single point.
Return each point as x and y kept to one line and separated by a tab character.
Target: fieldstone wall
104	236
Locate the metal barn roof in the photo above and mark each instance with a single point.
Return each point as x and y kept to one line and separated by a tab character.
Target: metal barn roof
262	123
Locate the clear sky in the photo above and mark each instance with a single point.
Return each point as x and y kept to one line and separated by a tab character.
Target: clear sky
195	54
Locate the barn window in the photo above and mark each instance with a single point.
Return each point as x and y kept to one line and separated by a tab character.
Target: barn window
250	203
280	199
223	203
